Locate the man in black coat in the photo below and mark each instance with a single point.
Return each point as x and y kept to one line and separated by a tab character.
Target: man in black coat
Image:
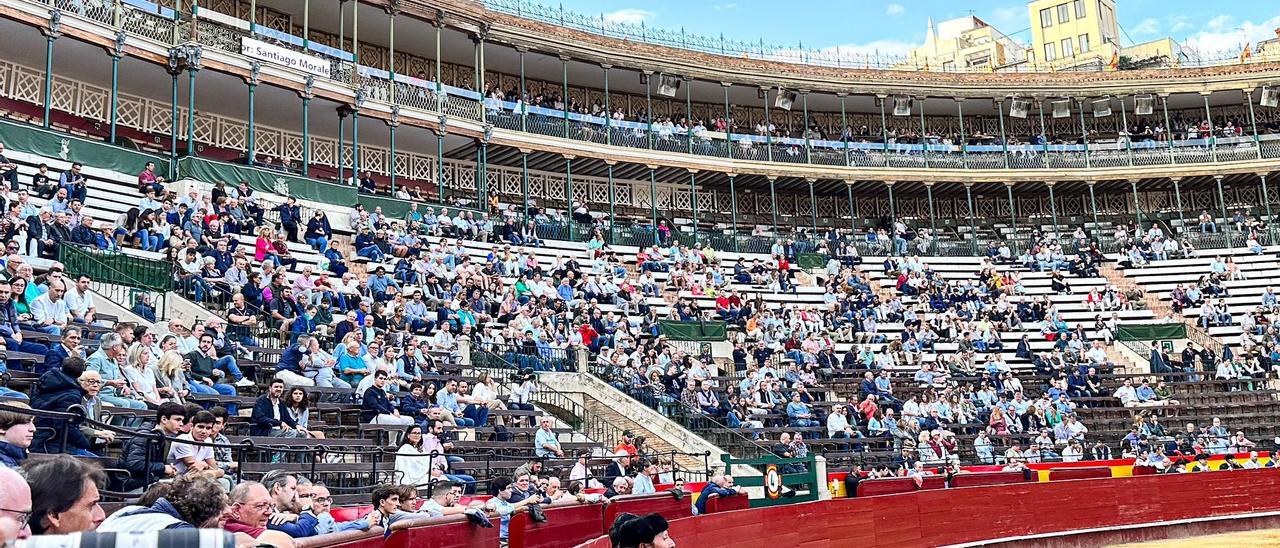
617	468
58	390
270	418
144	456
290	216
40	233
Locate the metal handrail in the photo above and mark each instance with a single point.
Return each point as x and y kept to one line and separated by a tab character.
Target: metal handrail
591	425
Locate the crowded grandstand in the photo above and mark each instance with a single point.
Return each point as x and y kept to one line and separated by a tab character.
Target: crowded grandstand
520	279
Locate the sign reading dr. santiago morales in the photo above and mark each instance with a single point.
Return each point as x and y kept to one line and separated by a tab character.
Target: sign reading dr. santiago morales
311	64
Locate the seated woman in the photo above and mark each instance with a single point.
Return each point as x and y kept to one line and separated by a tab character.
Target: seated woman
417	466
295	403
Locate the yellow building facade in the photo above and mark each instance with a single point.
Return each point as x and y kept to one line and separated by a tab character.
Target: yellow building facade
964	43
1073	34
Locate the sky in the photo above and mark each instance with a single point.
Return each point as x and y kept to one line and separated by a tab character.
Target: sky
893	28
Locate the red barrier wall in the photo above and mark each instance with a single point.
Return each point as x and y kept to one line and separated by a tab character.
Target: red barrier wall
987	478
717	503
565	524
1091	472
447	532
940	517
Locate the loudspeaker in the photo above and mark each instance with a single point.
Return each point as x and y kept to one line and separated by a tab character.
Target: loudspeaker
902	106
1061	108
668	85
1019	107
1144	105
644	79
1102	107
1270	97
785	99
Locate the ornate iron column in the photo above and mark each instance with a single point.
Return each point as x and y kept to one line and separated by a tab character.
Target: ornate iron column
115	53
51	33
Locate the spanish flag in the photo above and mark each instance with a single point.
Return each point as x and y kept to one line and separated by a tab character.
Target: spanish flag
1246	53
1115	61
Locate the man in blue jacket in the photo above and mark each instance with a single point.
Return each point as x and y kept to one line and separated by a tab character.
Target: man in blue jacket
719	485
289	518
70	347
290	216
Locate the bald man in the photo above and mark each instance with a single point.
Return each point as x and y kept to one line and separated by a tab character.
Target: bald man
15	505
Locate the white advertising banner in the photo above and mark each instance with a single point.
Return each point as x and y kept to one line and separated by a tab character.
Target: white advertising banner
310	64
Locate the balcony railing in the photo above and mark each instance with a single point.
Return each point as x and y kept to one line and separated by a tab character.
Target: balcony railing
854	58
142	17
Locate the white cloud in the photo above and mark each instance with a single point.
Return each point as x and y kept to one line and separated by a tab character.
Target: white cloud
725	7
1226	37
895	10
629	16
1147	27
1179	23
1220	23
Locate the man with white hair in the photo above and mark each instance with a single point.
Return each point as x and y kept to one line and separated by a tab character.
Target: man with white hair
617	468
620	486
106	362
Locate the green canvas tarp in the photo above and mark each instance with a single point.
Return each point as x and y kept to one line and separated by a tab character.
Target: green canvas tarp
52	144
693	331
288	184
1151	332
809	261
268	180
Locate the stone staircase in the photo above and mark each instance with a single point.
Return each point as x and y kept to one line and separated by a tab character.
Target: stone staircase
1124	364
1128	286
653	442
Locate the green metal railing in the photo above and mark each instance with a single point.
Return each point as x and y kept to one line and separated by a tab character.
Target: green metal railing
116	268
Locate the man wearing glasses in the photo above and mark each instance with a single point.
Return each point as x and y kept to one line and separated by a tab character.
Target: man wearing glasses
15	500
251	507
320	505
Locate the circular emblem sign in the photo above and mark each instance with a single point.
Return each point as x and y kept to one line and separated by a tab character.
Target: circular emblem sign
772	482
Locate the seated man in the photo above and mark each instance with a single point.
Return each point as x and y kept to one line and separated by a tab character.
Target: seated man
720	486
250	509
321	503
49	311
546	443
193	460
147	462
500	503
444	502
376	408
799	414
282	488
270	418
